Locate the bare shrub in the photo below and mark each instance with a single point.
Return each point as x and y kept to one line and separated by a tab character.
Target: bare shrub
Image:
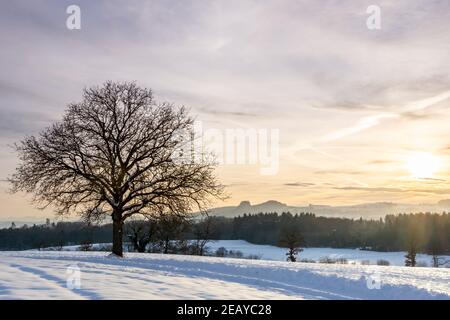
381	262
85	246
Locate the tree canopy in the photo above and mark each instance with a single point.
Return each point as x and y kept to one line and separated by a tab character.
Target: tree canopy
116	153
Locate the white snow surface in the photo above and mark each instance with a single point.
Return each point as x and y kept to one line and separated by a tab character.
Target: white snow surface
268	252
44	275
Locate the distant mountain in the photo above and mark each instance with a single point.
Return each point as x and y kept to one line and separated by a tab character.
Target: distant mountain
365	210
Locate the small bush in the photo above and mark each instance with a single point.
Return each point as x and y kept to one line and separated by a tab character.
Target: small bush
235	254
341	261
253	257
85	246
307	261
221	252
327	260
365	262
381	262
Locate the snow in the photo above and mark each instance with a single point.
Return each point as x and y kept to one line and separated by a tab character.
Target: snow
45	275
267	252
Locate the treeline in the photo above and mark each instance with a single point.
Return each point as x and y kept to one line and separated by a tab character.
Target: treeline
165	235
427	232
421	232
53	235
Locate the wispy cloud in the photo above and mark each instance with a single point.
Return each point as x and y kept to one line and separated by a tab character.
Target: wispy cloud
370	121
363	124
433	179
443	191
330	85
342	172
378	189
16	123
299	184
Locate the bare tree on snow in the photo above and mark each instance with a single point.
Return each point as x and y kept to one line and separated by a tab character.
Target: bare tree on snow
113	155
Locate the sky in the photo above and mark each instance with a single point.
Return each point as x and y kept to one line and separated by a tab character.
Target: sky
360	115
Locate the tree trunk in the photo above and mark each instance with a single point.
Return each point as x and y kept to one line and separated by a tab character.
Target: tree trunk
142	244
166	247
117	235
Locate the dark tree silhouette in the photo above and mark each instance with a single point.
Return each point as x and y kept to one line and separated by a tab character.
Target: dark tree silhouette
203	232
170	227
410	257
141	232
292	240
116	153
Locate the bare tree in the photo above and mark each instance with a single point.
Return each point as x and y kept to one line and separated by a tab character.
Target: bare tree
170	227
116	153
141	232
203	232
438	261
436	245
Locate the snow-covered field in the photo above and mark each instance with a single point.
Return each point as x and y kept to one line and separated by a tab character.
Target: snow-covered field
47	274
267	252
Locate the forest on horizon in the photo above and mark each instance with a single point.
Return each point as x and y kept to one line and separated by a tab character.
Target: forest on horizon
426	232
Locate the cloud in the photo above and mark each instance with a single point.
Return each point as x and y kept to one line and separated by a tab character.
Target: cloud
361	125
407	111
299	184
396	190
432	179
380	189
432	191
416	116
311	69
235	185
390	94
229	113
16	123
381	161
346	172
20	91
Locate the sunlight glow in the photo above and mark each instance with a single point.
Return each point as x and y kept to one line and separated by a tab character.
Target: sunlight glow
423	165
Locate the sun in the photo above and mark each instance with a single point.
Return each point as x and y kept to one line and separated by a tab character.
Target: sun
423	165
